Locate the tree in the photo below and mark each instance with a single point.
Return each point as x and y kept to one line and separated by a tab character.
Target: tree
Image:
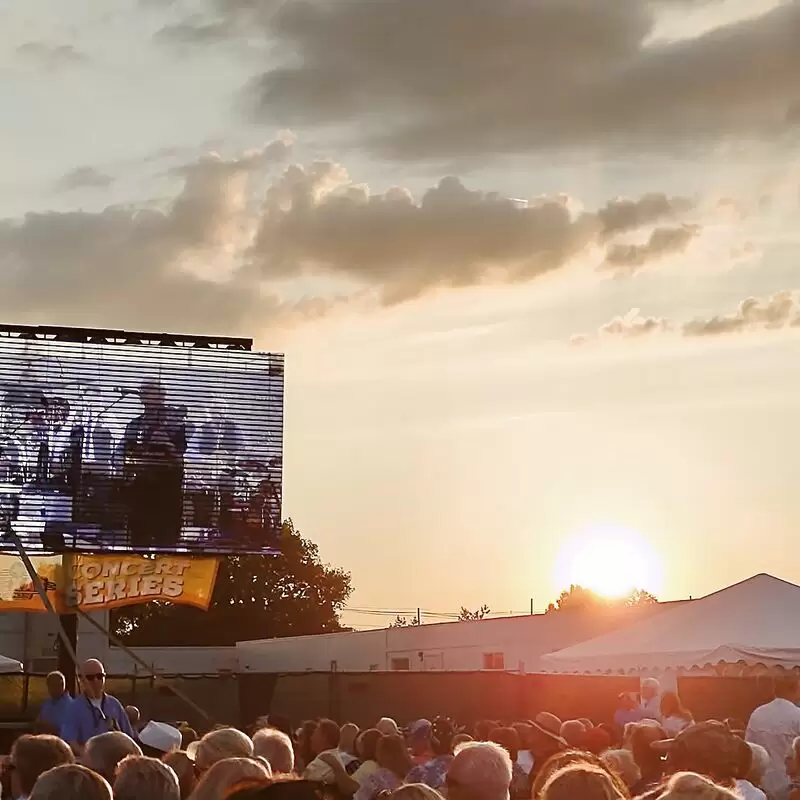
579	597
255	597
465	615
404	622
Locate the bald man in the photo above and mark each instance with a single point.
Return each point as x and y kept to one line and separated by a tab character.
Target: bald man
93	712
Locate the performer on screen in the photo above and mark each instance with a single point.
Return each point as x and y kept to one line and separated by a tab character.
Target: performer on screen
154	447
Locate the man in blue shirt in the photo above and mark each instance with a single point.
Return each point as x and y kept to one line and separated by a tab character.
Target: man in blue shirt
93	712
55	709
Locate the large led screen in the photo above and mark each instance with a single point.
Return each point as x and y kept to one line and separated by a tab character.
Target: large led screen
114	447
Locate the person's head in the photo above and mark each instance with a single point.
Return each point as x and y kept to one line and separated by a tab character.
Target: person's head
483	729
188	736
104	751
183	767
367	743
134	716
218	745
158	738
640	740
479	771
525	733
461	738
152	395
34	755
283	788
443	733
508	739
573	733
387	726
71	782
671	706
567	758
347	738
759	763
227	773
584	781
597	740
93	678
415	791
391	754
326	736
786	686
140	777
56	684
277	748
710	749
622	763
690	786
651	688
419	737
546	736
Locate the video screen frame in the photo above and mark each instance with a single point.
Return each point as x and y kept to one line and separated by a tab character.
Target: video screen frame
116	441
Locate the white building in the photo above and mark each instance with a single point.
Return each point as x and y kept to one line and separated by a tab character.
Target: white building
508	643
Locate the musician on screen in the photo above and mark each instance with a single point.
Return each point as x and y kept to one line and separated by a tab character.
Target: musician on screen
154	447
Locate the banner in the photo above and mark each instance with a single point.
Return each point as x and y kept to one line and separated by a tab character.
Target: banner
94	583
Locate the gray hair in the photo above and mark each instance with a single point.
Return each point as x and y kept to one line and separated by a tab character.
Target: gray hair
623	763
761	760
483	769
71	782
106	750
139	776
220	744
276	748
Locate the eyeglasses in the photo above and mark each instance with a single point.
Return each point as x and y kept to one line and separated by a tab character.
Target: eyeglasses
98	676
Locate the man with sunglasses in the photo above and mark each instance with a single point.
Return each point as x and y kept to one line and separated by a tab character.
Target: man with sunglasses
93	712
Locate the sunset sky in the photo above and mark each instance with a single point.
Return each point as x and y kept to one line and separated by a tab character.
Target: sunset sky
533	263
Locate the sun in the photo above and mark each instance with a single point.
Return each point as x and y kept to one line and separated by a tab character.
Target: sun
609	560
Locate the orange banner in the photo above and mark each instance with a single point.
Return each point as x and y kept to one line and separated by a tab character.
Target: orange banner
94	583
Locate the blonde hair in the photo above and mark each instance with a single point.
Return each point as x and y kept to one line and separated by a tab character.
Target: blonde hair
71	782
585	781
140	776
691	786
104	751
415	791
623	764
276	748
225	774
221	744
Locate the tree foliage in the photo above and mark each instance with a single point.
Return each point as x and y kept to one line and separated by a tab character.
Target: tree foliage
255	597
577	597
465	615
404	622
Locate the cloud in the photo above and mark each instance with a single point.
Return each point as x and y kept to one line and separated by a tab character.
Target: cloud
662	242
135	267
51	56
416	79
316	220
238	236
83	178
780	310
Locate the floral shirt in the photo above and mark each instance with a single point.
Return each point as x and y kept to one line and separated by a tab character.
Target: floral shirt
432	774
380	781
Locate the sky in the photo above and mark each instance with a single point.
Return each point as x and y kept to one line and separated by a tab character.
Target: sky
533	264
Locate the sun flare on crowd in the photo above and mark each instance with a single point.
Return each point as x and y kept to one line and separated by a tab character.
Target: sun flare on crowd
610	561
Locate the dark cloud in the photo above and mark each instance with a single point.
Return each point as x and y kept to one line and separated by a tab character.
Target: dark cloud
84	178
315	220
419	79
132	267
662	242
50	55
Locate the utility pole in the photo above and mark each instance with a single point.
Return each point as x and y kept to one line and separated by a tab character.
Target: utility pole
419	617
531	606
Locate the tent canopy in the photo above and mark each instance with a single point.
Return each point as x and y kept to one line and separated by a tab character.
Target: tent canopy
755	622
8	665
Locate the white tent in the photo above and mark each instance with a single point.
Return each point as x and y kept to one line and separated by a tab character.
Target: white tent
753	622
8	665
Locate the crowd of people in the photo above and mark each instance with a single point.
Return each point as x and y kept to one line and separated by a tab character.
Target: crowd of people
92	748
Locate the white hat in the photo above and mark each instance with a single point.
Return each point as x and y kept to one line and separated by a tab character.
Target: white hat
160	736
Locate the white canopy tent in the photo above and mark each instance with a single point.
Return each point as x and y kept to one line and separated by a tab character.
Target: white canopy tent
9	665
753	622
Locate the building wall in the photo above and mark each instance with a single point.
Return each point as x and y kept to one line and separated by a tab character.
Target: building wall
453	646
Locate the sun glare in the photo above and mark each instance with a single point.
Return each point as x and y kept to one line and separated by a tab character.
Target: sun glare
610	561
